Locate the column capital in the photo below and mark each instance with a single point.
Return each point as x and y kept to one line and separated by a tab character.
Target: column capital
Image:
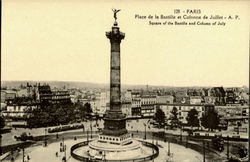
115	36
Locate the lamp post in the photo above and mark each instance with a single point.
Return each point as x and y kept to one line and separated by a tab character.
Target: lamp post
165	133
63	143
153	143
96	118
186	141
45	142
227	147
145	136
65	152
204	151
23	154
104	158
90	128
181	132
169	148
87	135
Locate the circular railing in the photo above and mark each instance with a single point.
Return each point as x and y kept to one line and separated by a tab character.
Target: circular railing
85	143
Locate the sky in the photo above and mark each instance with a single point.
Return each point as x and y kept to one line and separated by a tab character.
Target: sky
63	40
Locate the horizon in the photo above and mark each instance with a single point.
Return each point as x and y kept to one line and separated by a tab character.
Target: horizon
44	81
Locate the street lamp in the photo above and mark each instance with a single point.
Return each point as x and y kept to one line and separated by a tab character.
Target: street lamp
168	148
227	147
87	135
165	133
45	142
181	133
23	154
145	136
204	151
90	128
65	152
96	118
63	143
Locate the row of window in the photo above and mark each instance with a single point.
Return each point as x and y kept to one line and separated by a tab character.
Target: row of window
148	102
114	139
108	138
143	111
184	107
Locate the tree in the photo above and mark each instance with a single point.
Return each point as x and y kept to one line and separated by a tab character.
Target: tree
85	110
192	118
51	115
160	117
2	122
210	119
174	118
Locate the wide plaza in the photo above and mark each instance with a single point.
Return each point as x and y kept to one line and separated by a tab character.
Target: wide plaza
139	128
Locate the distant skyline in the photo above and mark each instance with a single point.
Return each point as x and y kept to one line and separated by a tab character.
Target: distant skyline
5	82
60	40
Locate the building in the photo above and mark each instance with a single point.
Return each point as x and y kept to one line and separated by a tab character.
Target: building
45	94
219	94
20	109
60	96
209	99
230	96
7	96
102	102
232	110
3	96
181	97
22	92
126	96
164	99
136	107
148	105
195	100
126	108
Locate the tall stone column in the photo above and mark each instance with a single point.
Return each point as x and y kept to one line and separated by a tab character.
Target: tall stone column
115	121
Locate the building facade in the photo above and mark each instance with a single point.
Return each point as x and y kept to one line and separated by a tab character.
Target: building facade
182	110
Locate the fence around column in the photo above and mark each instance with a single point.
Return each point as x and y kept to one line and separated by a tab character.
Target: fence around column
85	143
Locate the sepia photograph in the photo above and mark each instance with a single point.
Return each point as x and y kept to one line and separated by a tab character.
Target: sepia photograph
124	81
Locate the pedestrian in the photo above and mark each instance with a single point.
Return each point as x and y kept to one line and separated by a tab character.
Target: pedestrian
28	157
56	154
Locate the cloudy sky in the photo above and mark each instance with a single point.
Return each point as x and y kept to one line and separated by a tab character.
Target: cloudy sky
65	41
